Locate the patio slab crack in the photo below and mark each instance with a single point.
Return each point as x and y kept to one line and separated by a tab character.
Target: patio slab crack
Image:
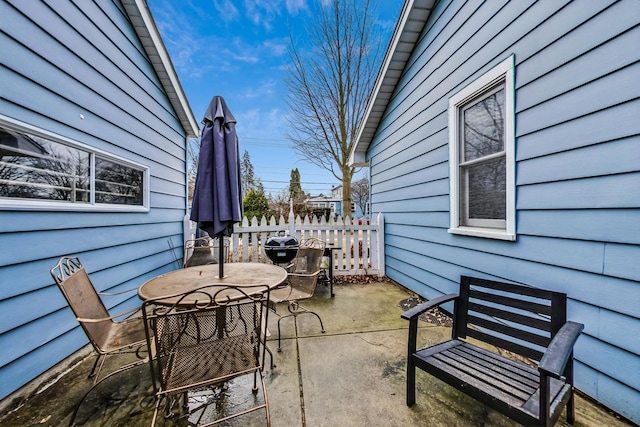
299	364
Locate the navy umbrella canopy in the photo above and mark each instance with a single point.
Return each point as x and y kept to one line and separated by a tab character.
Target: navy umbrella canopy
217	198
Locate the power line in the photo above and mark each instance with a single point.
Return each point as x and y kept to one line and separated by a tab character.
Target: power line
301	182
262	139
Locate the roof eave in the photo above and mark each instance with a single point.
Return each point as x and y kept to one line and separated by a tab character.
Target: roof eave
413	17
144	25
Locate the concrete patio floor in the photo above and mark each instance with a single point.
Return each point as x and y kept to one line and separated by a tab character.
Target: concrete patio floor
353	375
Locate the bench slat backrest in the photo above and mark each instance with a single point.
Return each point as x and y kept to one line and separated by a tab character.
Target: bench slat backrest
516	318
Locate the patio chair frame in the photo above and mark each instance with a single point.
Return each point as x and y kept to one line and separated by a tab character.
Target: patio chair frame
301	282
202	251
107	336
228	334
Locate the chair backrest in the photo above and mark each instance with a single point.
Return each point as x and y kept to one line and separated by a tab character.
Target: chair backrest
198	252
306	265
216	339
204	250
75	285
514	317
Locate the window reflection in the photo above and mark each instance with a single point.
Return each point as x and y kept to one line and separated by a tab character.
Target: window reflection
38	168
35	168
486	183
118	184
484	127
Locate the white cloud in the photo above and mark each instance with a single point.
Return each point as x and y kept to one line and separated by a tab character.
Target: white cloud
267	88
226	8
262	12
275	47
295	6
258	122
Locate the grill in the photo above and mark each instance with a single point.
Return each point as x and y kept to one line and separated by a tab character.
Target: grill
281	249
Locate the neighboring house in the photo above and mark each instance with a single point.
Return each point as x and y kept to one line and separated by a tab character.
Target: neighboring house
335	203
332	204
503	140
321	203
93	130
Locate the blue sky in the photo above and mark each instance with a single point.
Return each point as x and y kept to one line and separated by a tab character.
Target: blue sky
237	49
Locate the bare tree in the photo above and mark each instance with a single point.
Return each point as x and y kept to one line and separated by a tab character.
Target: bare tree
360	191
329	83
280	202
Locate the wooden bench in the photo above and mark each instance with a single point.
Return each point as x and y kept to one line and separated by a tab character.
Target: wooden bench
526	321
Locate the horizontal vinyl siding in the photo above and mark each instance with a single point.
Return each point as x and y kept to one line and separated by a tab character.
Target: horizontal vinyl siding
577	169
62	60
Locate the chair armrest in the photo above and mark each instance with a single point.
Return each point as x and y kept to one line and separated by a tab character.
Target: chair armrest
304	274
421	308
114	316
557	355
109	294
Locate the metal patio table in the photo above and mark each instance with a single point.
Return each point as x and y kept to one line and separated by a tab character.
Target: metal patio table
244	274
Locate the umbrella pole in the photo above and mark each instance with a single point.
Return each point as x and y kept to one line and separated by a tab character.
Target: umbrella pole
221	255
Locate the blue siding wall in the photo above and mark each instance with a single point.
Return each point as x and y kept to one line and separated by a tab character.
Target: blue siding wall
577	169
61	60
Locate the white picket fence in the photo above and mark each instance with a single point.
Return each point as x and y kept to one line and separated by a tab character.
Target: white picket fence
358	247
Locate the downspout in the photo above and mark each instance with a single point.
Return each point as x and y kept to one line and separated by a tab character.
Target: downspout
186	222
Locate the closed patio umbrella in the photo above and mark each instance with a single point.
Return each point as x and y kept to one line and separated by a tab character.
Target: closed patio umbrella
217	198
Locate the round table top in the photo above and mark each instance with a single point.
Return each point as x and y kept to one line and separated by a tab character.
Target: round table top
249	275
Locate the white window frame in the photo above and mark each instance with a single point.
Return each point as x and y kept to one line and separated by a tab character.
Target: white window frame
503	73
52	205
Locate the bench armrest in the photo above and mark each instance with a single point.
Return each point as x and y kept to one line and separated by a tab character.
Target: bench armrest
421	308
557	355
412	316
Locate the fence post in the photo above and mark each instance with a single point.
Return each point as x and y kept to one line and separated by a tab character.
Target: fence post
380	233
292	225
186	229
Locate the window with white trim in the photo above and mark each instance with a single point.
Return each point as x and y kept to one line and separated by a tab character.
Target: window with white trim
42	170
481	156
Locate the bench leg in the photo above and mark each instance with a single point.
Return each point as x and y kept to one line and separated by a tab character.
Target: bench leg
571	413
411	382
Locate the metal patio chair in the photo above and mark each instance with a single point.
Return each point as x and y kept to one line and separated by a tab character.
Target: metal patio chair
301	282
107	336
199	346
198	252
202	251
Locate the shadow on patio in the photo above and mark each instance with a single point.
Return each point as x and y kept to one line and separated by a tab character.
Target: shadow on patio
353	375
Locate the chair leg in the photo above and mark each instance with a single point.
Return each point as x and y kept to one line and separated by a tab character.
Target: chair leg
100	359
273	365
296	309
316	314
571	414
279	320
155	412
266	400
